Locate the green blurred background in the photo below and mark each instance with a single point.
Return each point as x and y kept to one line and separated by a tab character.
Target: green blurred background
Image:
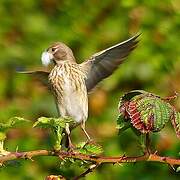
27	27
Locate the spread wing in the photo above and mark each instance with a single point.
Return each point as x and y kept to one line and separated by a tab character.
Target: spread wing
104	63
42	76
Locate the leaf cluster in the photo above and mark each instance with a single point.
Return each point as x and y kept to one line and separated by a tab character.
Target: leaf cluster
146	112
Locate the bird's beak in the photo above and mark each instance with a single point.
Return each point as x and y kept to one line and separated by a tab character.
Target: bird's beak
46	58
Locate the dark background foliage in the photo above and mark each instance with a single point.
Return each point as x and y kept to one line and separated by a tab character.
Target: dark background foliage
27	27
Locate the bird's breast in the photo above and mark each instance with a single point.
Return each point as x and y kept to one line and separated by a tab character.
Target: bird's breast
67	78
68	84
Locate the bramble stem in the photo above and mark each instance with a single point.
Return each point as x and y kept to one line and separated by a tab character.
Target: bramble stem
93	159
89	170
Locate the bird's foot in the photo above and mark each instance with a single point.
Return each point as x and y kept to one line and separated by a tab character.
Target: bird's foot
71	148
89	141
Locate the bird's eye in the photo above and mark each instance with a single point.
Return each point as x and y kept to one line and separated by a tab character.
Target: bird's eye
53	49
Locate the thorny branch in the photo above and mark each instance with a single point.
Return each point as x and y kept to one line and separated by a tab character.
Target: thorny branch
94	159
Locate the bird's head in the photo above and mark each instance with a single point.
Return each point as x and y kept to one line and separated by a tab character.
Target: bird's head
57	53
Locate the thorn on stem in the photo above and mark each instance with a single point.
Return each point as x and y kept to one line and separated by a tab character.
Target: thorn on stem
61	157
169	98
172	167
28	157
1	164
163	158
123	156
155	152
92	166
119	164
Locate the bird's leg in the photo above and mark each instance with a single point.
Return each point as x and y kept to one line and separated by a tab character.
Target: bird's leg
85	132
71	146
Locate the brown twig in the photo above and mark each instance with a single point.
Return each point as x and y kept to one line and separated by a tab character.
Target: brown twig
96	160
89	170
169	98
93	159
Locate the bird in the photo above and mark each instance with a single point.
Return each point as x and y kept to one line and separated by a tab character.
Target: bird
71	82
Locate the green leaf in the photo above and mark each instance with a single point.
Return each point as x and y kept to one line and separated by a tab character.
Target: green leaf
146	112
175	120
44	122
13	122
2	136
122	124
89	148
178	169
94	148
18	121
131	94
57	126
81	145
135	131
162	112
154	112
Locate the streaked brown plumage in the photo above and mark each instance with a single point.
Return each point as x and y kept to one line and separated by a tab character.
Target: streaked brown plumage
71	82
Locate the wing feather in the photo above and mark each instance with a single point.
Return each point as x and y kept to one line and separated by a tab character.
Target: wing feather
104	63
42	76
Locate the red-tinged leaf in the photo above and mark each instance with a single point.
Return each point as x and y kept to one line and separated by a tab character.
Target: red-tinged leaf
148	112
